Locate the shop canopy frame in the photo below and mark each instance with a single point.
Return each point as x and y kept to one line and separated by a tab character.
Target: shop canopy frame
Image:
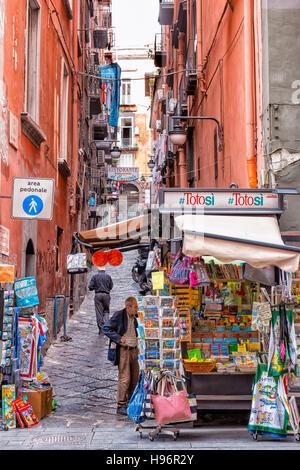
126	235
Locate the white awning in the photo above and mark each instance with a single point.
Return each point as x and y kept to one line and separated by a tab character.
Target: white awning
253	239
117	235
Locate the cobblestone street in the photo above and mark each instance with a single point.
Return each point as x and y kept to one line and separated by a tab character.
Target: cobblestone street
85	385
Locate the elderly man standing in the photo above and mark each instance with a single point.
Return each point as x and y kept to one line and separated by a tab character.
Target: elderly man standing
121	329
102	284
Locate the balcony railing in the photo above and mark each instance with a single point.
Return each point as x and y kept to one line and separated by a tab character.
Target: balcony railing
160	53
128	143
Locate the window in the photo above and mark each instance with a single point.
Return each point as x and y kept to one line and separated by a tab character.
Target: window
33	59
127	160
64	112
126	92
127	132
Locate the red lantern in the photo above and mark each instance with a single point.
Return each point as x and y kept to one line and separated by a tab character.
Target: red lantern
100	258
115	257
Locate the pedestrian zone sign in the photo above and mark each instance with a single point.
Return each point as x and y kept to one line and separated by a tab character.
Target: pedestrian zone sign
32	198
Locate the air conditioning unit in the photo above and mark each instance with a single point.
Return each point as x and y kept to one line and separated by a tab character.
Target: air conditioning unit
158	125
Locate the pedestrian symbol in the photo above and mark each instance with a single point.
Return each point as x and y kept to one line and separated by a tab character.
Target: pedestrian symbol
33	205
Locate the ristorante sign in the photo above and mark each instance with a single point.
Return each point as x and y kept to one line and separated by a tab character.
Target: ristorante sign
122	174
227	200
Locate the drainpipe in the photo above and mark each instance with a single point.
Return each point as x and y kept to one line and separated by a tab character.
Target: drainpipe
249	93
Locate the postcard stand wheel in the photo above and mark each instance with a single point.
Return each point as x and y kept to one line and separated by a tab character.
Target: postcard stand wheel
158	430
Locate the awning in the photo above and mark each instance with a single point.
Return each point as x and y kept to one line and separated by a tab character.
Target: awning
253	239
130	232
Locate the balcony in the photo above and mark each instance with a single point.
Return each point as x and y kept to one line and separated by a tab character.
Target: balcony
191	68
127	143
160	54
166	12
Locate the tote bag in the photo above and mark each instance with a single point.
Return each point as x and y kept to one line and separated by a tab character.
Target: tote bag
180	272
76	261
173	408
136	404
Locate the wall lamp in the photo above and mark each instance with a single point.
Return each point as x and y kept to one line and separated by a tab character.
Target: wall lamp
178	134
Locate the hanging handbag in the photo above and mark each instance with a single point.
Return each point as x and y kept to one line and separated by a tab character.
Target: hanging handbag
171	409
76	261
180	272
136	404
148	410
198	275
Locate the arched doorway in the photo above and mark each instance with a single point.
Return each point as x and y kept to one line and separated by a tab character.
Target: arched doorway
30	260
131	192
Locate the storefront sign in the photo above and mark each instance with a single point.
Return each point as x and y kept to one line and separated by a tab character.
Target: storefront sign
32	198
4	240
220	199
122	174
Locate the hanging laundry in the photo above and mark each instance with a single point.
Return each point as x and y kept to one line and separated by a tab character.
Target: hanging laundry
110	78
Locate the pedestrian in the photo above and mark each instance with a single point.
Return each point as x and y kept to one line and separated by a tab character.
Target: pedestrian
121	329
102	284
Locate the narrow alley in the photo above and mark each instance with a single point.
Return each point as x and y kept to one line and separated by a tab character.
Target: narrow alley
85	386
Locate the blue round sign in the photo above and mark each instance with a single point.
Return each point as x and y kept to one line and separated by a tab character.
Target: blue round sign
33	205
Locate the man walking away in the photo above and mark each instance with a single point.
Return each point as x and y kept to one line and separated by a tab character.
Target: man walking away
102	284
121	328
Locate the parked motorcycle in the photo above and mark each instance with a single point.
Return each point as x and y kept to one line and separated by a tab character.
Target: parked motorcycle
139	271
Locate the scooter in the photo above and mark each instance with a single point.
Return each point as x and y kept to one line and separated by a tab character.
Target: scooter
139	272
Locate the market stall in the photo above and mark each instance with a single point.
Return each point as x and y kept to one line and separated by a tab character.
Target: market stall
26	392
244	271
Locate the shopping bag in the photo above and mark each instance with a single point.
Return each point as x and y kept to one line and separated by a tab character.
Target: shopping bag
174	408
136	404
180	272
148	410
153	261
112	353
198	274
76	261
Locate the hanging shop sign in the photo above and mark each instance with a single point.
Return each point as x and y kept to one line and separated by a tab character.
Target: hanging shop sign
32	198
221	200
122	174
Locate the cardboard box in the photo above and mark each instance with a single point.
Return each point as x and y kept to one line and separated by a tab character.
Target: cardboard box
41	401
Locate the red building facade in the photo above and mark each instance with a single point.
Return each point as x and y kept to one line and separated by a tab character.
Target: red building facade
209	59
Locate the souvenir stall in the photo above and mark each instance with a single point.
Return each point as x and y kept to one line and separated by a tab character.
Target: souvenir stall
232	275
26	392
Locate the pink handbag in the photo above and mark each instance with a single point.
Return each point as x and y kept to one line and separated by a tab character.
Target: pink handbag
172	408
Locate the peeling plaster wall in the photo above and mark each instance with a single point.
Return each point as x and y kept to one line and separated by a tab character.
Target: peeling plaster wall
281	100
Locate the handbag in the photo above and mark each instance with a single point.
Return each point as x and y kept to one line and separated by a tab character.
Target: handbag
171	409
112	354
76	261
136	404
180	272
198	274
148	410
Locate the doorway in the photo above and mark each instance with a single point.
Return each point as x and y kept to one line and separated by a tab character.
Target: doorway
30	260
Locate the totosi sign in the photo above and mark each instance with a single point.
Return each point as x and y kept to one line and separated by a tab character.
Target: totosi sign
220	199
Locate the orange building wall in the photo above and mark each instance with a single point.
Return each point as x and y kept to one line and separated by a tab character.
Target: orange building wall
30	161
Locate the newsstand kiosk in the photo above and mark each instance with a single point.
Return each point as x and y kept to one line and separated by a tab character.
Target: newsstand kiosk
235	235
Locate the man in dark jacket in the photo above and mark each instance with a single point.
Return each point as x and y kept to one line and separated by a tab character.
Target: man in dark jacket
102	284
121	329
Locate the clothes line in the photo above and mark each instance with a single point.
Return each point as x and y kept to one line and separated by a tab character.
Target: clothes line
137	78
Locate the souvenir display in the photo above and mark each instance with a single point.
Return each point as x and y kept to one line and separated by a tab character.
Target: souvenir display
23	333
